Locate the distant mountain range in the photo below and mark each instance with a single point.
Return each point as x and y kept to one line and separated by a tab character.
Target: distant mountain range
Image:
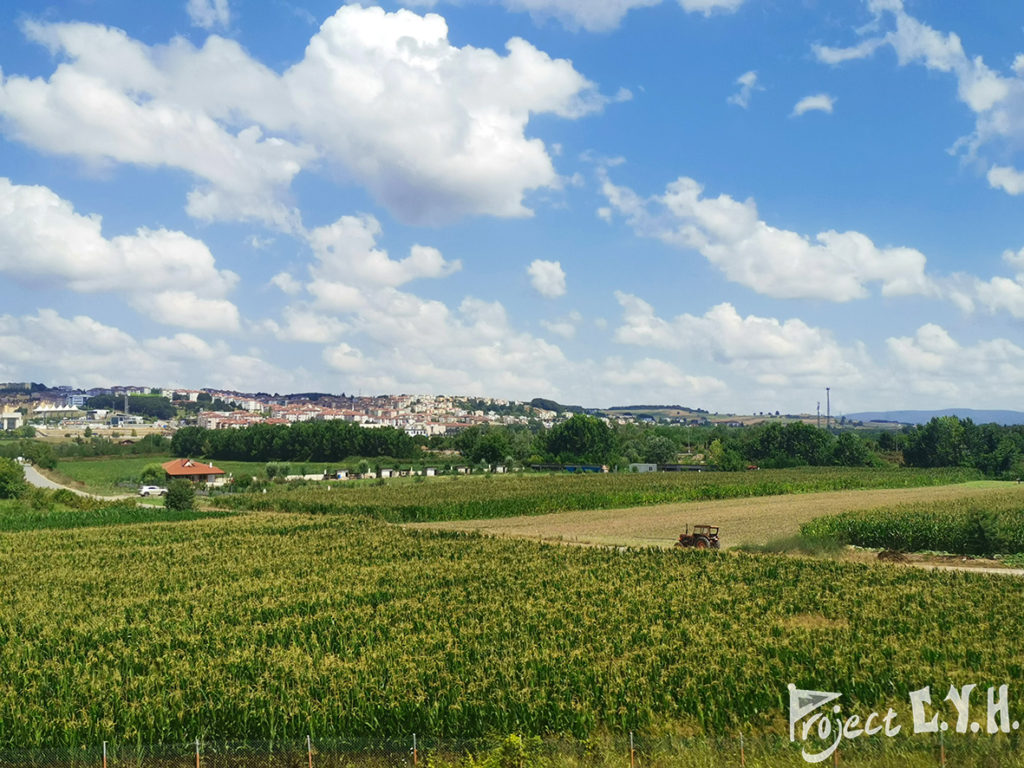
923	417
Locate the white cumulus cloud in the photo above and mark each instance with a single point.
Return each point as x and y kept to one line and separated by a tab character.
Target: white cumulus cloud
1008	179
769	351
832	265
433	130
186	309
932	365
547	278
165	274
819	102
346	251
85	352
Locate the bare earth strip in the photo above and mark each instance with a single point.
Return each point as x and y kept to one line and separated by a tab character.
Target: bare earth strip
742	521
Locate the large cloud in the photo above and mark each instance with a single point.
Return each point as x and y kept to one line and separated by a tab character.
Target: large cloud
765	350
165	274
832	265
933	366
84	352
433	130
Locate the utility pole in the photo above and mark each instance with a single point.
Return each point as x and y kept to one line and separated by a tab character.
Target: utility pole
828	409
819	414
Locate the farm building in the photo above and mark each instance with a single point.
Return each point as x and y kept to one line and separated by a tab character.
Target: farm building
640	467
10	420
195	471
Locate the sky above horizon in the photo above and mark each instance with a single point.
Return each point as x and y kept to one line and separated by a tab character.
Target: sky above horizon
723	204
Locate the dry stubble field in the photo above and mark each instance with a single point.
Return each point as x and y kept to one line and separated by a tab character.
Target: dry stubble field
743	521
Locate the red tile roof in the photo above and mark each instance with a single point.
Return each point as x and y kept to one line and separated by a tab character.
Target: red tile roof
188	468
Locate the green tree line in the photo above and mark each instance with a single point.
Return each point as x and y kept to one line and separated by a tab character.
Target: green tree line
304	441
153	406
949	441
47	454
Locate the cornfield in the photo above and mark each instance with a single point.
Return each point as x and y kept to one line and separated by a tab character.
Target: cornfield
493	497
962	526
272	626
62	509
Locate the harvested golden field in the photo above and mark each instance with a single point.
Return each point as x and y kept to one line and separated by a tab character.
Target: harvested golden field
743	521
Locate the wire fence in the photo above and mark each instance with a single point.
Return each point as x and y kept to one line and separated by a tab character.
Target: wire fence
624	751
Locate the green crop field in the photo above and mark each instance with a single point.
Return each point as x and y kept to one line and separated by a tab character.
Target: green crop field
272	626
457	498
19	515
993	524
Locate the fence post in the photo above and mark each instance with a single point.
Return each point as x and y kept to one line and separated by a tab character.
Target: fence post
197	752
309	749
743	755
104	754
415	751
632	751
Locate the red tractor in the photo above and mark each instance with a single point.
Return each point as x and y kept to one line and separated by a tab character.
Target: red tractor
703	537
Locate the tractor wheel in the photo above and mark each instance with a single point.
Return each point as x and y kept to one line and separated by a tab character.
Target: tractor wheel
702	543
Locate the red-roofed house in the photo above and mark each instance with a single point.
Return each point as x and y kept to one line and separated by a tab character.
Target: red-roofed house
195	471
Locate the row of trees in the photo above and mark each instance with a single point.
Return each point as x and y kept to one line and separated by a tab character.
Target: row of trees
995	450
315	441
47	454
790	445
153	406
948	441
587	439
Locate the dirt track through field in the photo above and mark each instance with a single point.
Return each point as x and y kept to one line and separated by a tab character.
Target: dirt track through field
742	521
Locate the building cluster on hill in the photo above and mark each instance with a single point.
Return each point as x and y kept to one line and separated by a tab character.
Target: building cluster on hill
25	403
426	415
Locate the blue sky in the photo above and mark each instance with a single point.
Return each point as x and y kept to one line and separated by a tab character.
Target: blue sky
728	204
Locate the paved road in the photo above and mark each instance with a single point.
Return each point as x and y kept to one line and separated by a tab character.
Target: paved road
34	477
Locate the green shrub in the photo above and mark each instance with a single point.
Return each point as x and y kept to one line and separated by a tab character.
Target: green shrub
277	469
12	479
181	496
152	474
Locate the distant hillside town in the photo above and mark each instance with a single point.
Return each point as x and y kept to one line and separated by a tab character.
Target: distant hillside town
119	407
